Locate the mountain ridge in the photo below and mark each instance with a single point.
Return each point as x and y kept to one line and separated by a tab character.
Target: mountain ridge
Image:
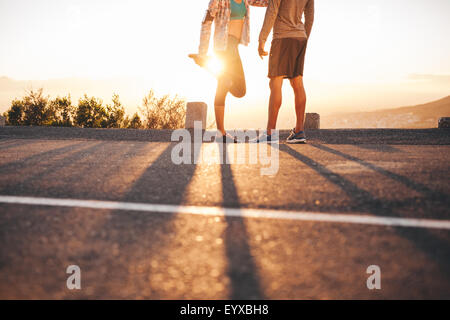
420	116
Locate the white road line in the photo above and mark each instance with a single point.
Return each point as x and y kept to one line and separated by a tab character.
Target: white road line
231	212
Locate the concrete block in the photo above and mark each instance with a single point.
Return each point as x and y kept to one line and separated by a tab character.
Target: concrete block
196	111
312	121
2	121
444	123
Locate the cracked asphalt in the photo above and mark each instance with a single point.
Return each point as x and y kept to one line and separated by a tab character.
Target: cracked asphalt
144	255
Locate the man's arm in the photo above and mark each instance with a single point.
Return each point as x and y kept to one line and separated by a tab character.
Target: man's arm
269	20
258	3
309	17
205	33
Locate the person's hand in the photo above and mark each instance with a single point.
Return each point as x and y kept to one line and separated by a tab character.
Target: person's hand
199	59
261	51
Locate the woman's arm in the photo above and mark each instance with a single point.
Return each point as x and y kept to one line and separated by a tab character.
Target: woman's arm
258	3
205	32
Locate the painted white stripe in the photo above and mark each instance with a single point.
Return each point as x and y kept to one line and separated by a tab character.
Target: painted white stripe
231	212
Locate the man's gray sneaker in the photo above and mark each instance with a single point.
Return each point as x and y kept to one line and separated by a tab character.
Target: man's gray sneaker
298	137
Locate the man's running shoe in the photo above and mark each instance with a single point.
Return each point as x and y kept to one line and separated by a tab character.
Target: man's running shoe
298	137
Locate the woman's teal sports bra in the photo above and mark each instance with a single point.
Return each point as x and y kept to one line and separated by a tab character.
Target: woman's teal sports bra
238	10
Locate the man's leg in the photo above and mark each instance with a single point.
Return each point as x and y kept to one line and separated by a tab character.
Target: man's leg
300	102
276	84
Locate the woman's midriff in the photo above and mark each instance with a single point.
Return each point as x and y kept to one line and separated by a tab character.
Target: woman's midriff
235	28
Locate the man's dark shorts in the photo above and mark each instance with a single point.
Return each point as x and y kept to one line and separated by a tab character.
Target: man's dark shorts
287	57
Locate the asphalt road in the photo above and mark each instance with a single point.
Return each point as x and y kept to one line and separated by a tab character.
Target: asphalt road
152	255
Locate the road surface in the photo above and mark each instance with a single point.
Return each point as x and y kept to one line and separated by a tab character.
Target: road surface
157	230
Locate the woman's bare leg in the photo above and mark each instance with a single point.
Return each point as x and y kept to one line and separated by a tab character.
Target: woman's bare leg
220	118
219	105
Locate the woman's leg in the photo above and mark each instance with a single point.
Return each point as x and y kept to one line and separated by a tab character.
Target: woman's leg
232	80
223	86
238	86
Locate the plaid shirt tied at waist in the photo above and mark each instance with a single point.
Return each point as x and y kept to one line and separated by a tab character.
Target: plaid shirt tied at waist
219	11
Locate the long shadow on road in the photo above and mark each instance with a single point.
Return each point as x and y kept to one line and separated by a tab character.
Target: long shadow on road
24	183
89	229
37	158
419	187
242	271
142	238
436	248
9	144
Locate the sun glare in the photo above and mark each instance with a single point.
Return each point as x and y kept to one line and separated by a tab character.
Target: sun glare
214	65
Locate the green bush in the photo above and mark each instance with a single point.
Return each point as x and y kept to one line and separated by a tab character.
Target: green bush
91	113
62	112
15	114
135	122
164	112
35	109
115	114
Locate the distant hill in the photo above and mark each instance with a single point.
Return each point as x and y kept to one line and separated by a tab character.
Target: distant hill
415	117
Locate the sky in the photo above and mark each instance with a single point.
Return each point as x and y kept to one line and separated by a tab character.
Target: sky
362	54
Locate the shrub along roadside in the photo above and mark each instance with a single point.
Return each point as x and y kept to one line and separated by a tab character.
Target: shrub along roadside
36	109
